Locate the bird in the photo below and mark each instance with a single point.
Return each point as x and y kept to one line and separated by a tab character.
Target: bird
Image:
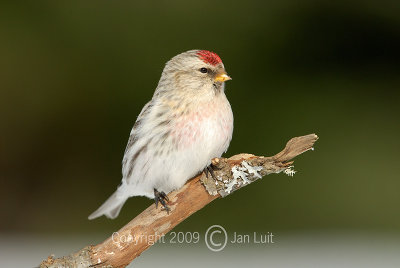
187	122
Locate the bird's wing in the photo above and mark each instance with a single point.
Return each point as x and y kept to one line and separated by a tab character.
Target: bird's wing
134	135
136	125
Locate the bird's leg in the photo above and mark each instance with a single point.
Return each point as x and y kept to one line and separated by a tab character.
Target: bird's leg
162	198
209	170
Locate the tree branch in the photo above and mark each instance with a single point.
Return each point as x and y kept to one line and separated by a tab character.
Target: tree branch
232	174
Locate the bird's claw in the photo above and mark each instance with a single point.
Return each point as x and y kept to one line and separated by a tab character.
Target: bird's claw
163	199
166	208
209	170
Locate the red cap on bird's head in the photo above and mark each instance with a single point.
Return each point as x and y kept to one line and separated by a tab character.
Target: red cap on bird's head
209	57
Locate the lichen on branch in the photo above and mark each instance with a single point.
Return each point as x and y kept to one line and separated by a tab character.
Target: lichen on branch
242	169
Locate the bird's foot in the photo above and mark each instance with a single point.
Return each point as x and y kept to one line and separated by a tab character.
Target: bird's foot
162	198
210	171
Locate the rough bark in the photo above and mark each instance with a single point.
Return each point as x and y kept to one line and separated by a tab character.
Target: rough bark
232	174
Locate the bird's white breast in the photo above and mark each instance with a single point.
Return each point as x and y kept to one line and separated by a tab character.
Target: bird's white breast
203	132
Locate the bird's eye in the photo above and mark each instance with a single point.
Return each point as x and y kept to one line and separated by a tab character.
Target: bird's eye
204	70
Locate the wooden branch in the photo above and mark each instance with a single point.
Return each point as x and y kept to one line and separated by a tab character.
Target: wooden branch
140	233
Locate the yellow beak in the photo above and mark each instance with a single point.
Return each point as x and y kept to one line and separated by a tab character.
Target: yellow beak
222	77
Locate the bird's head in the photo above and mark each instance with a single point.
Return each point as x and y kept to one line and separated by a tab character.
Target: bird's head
195	70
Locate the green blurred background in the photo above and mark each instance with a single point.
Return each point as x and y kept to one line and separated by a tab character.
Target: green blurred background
74	75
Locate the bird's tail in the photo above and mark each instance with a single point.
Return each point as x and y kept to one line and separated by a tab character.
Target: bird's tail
110	208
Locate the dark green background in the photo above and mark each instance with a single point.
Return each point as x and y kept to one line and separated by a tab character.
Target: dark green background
75	74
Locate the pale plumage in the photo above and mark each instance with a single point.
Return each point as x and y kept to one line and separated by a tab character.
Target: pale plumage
188	122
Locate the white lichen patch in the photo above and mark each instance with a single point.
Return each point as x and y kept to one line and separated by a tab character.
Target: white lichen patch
252	170
241	175
239	172
289	171
230	185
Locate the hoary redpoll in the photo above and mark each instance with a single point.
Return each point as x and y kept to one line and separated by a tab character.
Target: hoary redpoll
188	122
